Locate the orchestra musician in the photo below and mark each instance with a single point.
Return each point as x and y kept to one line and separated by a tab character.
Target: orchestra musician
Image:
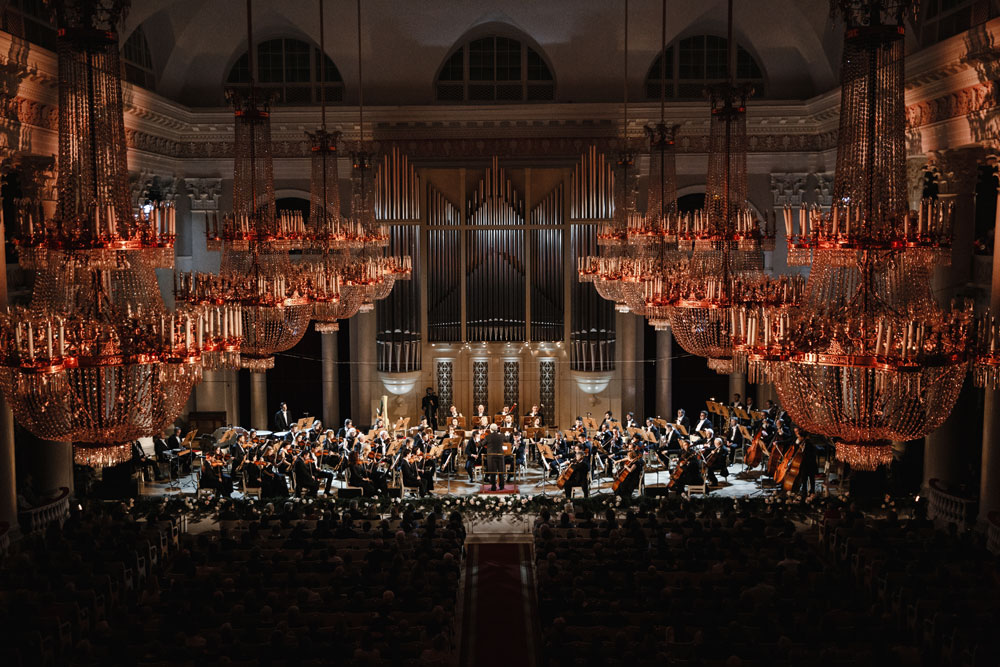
608	421
635	465
140	460
691	459
175	448
653	429
429	404
536	415
480	413
282	420
494	457
630	421
581	473
809	467
453	413
214	477
704	427
682	420
578	427
734	436
717	460
317	470
737	401
358	476
473	455
304	478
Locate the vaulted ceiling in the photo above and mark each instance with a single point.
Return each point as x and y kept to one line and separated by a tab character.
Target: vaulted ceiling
194	43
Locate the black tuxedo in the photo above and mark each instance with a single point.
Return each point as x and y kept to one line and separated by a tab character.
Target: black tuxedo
494	458
580	477
304	478
282	422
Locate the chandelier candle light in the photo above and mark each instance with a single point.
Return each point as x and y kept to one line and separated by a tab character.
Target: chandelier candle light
96	358
869	357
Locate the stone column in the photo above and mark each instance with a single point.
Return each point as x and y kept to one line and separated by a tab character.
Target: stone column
737	385
625	323
258	401
989	479
956	174
664	363
331	386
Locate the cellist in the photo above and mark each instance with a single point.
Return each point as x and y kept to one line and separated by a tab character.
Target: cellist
632	467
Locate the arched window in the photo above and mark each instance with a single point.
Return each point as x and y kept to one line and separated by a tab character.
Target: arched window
290	68
495	69
137	61
30	20
695	62
941	19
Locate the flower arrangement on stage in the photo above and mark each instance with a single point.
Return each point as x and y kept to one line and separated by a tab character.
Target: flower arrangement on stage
476	508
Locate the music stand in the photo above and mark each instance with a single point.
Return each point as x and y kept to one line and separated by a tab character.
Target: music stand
543	449
746	438
590	424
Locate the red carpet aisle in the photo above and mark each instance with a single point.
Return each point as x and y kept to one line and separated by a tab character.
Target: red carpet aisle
501	616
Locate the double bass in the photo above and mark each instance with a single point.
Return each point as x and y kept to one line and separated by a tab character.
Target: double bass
773	461
755	455
790	468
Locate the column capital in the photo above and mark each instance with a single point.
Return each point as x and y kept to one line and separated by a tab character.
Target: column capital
787	188
824	188
955	170
204	193
36	175
146	185
916	179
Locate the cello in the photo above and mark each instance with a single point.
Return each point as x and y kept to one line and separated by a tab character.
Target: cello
785	465
627	469
566	475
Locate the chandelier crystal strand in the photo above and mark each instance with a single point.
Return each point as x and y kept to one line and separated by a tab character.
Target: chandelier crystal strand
96	358
724	242
869	357
273	295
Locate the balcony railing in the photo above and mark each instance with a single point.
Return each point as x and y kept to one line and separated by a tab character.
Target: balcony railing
38	518
949	508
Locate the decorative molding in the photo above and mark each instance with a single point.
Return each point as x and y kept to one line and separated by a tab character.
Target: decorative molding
37	176
204	193
445	385
956	171
547	387
788	188
146	185
823	188
480	384
511	381
916	178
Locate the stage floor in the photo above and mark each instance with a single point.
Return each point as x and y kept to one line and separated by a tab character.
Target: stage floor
738	485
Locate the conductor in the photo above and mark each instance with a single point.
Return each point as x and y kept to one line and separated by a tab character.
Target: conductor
494	457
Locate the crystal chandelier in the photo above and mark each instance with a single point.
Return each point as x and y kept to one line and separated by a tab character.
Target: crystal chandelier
96	358
275	296
354	251
869	357
724	242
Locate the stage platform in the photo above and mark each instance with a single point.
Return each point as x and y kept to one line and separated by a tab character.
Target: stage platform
531	483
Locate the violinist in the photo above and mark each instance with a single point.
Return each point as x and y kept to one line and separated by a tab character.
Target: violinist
425	470
473	455
579	428
580	476
520	449
608	420
630	421
408	468
536	416
304	478
358	476
214	477
717	459
238	452
380	445
315	430
635	465
317	470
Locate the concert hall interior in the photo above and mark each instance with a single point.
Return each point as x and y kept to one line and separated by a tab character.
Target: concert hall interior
496	332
